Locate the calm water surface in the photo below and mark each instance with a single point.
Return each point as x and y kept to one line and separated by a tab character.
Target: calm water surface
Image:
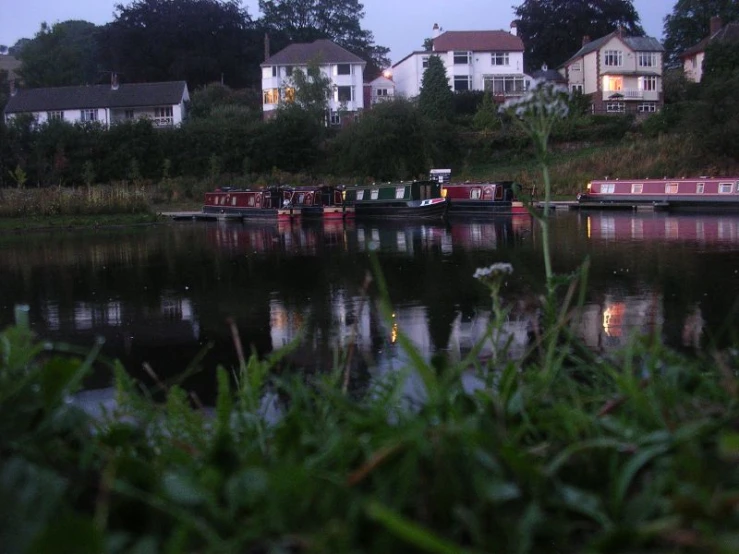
163	295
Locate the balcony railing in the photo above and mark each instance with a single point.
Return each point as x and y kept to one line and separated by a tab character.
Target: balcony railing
162	121
625	94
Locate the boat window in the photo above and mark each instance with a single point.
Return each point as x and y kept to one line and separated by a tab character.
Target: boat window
671	188
374	193
250	202
308	199
637	188
475	193
498	192
360	195
699	188
399	192
301	198
725	188
233	200
607	188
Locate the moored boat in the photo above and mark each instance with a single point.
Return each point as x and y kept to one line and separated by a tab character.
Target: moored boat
320	201
267	203
699	193
489	199
404	200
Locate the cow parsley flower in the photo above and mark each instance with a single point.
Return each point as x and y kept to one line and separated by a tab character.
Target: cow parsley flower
493	271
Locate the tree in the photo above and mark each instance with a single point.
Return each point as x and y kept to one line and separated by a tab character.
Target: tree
337	20
722	60
309	90
487	117
552	30
690	22
436	100
61	55
200	41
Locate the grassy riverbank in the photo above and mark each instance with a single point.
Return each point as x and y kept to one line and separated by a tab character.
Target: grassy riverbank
53	222
632	454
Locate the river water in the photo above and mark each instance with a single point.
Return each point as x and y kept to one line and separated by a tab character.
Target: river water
163	295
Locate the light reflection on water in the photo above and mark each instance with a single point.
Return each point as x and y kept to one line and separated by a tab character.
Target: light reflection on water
162	294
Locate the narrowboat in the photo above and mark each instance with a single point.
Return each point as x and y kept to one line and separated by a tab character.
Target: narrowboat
474	200
321	201
685	193
404	200
267	203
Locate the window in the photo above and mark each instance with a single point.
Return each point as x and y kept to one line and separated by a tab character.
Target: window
613	83
399	192
461	82
88	115
233	200
475	193
647	59
425	62
128	114
500	58
374	193
165	111
637	188
344	69
344	94
251	200
288	71
55	116
575	66
274	71
613	58
462	58
648	83
725	188
504	84
607	188
616	107
360	195
647	107
699	188
671	188
335	118
576	88
271	96
288	94
266	72
381	92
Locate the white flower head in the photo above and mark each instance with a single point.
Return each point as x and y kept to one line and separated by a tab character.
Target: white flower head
542	98
498	270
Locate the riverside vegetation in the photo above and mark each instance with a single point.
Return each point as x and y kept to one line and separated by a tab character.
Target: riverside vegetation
561	451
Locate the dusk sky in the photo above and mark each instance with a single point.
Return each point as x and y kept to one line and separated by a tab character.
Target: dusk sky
401	25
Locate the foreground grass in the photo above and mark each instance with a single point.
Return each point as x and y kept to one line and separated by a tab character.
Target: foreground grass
76	221
634	454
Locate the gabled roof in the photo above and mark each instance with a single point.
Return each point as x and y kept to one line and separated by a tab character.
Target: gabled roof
414	53
727	33
547	74
637	44
301	53
478	41
97	96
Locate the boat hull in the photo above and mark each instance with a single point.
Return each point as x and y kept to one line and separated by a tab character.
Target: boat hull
432	208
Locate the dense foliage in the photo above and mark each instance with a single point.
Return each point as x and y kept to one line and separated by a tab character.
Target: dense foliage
553	30
690	22
435	100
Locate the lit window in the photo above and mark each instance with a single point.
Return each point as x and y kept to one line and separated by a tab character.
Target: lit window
461	82
637	188
611	83
462	58
271	96
671	188
252	200
500	58
607	188
374	193
233	200
288	94
613	58
399	192
360	195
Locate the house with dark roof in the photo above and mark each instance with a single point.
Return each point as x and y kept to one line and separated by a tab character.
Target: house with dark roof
620	74
474	60
344	69
694	56
163	103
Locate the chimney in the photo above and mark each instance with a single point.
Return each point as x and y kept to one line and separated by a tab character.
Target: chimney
114	81
514	28
585	39
266	46
716	25
436	30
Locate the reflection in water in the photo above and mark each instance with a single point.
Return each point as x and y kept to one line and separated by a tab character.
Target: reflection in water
162	295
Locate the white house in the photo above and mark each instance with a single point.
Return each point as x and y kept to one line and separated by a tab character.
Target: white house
694	56
378	90
474	60
163	103
346	71
620	74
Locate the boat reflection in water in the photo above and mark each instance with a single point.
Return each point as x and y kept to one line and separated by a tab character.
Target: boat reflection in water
704	229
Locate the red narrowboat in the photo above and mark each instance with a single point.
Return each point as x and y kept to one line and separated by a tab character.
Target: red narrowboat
685	193
320	201
268	203
471	200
